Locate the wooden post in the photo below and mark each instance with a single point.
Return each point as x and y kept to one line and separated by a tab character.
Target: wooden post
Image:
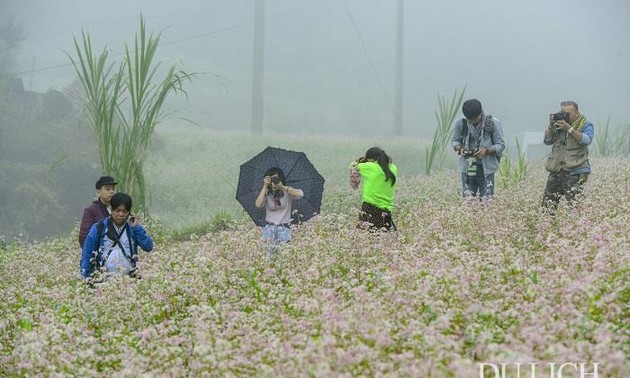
259	59
398	74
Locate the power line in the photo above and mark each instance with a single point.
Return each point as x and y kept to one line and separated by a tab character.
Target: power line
118	20
367	54
215	31
241	24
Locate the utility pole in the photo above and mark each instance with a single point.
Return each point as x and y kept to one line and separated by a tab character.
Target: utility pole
398	73
259	59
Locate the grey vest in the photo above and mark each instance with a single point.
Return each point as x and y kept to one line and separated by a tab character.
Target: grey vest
566	154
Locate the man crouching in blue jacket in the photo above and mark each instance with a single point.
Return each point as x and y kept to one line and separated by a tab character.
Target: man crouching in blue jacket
112	243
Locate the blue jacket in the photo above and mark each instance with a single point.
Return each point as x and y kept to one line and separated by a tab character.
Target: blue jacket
93	245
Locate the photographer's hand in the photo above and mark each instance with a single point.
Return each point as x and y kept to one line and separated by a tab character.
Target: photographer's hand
260	200
281	187
562	125
481	152
133	221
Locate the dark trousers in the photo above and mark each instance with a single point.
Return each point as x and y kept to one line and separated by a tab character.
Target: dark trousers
375	218
478	183
561	184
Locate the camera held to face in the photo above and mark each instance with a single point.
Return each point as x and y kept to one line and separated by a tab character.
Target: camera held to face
275	180
561	116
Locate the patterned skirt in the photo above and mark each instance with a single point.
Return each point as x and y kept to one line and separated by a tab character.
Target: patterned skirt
372	217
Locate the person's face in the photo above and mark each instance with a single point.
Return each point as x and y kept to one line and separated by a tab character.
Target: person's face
120	215
105	193
573	113
275	178
474	120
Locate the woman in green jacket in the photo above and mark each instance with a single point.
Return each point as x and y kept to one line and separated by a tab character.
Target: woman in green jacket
378	175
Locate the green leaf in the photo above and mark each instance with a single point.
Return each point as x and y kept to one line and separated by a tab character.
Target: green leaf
26	324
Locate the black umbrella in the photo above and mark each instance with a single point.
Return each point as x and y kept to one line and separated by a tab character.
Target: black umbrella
299	172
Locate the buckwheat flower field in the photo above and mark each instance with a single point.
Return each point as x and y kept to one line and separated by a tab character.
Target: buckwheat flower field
461	283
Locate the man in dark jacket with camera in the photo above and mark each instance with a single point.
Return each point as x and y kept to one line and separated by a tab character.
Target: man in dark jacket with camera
569	133
99	209
478	140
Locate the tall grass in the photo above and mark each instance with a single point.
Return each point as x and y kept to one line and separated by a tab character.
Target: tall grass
615	142
510	173
123	139
445	117
603	142
622	140
103	85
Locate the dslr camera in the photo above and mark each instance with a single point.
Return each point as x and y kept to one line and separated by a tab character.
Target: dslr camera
275	180
467	154
560	116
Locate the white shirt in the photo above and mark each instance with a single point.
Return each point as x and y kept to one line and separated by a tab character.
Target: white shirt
280	213
117	262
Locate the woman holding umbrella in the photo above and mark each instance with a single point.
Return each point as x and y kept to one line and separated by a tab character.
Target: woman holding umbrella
378	174
277	200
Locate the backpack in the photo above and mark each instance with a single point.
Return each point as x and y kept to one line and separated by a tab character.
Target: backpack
488	127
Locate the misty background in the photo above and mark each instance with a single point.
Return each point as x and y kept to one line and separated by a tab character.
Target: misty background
329	65
328	69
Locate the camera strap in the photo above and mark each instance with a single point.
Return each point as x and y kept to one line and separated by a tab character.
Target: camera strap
578	124
488	126
467	134
114	236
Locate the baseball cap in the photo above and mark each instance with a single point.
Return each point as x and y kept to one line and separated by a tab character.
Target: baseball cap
105	180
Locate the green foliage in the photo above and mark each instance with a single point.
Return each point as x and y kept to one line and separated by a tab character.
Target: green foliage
155	227
8	248
622	145
103	90
45	165
191	232
603	142
221	221
124	140
612	142
447	113
510	173
26	324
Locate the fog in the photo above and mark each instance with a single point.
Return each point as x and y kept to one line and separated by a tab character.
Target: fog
329	65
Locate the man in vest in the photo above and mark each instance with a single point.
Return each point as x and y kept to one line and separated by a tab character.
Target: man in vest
569	133
478	140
